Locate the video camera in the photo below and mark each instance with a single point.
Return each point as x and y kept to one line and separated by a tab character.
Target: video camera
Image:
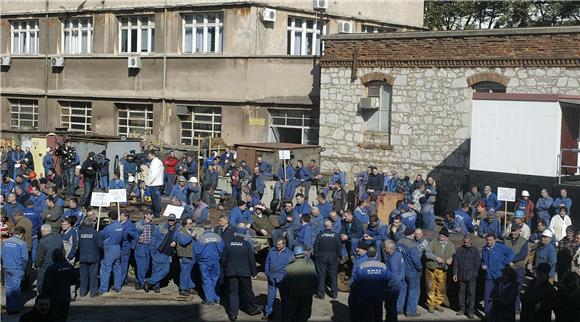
137	158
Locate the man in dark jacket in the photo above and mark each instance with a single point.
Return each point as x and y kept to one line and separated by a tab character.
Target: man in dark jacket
89	171
326	253
519	245
539	297
49	242
239	268
300	285
350	234
59	277
376	182
90	249
68	157
465	270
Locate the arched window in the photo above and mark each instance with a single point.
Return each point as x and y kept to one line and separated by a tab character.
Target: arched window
489	87
377	112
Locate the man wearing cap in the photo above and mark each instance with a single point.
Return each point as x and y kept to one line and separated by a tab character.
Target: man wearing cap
145	229
299	287
563	200
544	204
194	190
439	260
526	205
239	266
180	190
490	225
559	223
208	249
184	248
410	289
162	248
519	246
519	221
467	261
261	224
276	262
368	286
490	199
546	253
495	257
112	236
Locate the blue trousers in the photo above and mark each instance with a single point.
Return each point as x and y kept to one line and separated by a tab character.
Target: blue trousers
104	183
34	246
111	262
13	279
489	285
69	175
272	288
168	179
89	274
210	274
125	257
161	265
349	247
185	281
155	192
142	261
409	291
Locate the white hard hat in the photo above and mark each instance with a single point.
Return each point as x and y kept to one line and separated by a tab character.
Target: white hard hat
525	193
548	233
193	180
131	179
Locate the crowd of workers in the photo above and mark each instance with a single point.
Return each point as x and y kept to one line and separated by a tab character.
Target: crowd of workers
530	262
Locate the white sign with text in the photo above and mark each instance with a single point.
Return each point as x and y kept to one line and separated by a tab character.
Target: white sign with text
506	194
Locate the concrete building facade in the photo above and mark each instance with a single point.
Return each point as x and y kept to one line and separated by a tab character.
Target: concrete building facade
245	71
403	101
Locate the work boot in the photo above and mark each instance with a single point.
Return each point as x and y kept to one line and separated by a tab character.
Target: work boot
183	293
414	315
470	316
430	310
265	318
137	286
459	313
319	297
440	309
157	290
147	287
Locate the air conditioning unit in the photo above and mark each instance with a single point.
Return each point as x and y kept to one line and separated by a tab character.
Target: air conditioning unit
5	61
369	103
320	4
269	15
345	27
57	61
134	62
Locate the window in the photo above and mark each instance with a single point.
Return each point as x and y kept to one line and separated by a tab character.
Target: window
134	120
379	119
77	36
203	33
24	114
199	121
368	29
489	87
76	116
304	36
291	126
137	34
25	37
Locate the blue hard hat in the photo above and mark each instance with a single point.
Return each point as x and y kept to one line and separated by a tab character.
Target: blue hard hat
298	250
519	214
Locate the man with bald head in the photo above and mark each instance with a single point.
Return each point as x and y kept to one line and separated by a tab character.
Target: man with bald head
326	252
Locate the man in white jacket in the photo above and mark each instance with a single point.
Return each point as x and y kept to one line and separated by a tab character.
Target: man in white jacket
154	181
559	223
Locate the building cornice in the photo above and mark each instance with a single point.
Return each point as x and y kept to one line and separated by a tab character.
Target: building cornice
457	63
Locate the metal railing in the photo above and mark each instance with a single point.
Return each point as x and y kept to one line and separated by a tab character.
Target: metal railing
562	165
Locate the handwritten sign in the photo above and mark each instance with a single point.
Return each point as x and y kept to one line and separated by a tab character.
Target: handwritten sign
506	194
100	199
117	195
284	154
171	209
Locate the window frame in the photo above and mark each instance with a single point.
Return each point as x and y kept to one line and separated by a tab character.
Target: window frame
134	108
316	33
218	24
216	112
308	122
88	110
26	32
150	34
19	103
79	29
375	29
381	110
480	86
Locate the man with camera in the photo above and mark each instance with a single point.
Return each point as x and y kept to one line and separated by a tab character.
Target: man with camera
68	156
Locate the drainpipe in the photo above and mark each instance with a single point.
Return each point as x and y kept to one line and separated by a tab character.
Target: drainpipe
163	100
46	67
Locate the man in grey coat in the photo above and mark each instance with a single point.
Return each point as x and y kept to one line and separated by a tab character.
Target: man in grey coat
46	246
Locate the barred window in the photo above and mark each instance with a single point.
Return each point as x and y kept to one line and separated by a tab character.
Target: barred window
199	121
76	116
77	35
203	33
24	114
293	126
134	120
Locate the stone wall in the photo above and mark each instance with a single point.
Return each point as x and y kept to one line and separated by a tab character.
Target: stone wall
431	116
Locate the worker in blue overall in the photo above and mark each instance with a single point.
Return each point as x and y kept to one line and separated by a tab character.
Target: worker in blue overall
130	238
112	237
208	249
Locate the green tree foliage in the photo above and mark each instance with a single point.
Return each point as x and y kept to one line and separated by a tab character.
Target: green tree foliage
471	14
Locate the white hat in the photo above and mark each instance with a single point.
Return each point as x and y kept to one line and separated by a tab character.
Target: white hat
48	149
525	193
548	233
78	167
193	180
131	179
